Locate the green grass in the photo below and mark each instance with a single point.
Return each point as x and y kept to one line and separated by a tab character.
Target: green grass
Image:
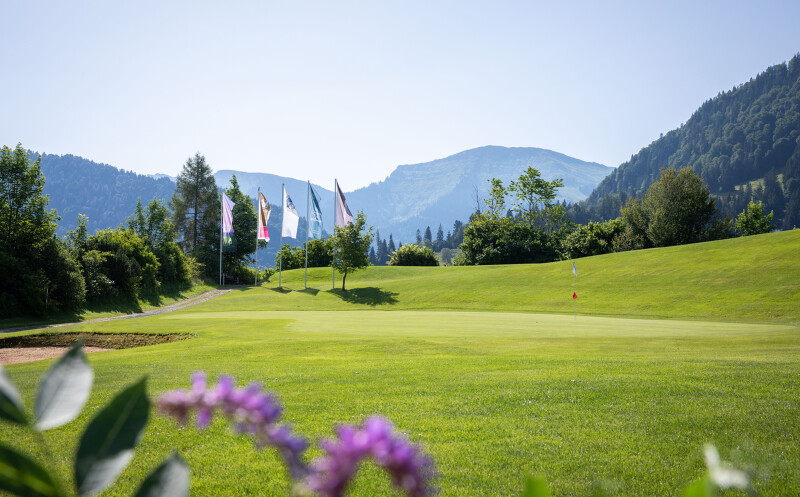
479	366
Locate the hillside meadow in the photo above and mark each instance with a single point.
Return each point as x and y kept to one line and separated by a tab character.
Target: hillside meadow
493	371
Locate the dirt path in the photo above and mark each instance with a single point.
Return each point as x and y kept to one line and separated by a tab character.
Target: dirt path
197	299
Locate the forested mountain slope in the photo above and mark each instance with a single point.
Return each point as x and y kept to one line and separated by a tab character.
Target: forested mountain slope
744	144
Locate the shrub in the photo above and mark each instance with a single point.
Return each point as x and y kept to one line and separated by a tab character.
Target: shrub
413	255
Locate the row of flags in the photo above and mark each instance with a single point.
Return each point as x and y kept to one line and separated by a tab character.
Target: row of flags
291	219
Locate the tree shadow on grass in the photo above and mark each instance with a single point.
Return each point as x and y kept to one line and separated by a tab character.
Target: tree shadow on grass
366	296
310	291
281	289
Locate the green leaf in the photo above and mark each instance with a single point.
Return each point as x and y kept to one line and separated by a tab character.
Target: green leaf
22	476
171	479
64	389
535	487
106	447
700	488
11	407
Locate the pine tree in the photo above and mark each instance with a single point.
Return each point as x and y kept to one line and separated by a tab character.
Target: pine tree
195	206
419	238
391	248
428	236
380	253
439	245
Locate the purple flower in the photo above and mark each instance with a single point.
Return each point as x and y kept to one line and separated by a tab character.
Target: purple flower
411	470
251	409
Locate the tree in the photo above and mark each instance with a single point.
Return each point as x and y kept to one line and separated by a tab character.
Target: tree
153	225
752	220
380	253
34	265
391	248
426	241
679	208
534	198
350	246
195	207
419	238
496	202
414	255
439	243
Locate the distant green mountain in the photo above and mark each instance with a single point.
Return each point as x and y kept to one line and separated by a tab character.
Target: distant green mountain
104	193
442	191
744	143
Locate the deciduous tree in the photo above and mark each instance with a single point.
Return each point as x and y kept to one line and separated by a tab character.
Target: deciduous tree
351	246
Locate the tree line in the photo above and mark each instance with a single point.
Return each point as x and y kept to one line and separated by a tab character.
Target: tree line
161	247
522	223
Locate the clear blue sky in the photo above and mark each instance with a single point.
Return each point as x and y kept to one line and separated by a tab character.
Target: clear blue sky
317	90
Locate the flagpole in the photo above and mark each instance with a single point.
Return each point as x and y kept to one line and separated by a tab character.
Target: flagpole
333	252
308	225
258	216
574	290
280	247
221	222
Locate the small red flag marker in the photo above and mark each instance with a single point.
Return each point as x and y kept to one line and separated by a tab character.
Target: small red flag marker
574	295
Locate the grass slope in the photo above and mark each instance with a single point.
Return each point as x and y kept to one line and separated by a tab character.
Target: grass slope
493	393
752	279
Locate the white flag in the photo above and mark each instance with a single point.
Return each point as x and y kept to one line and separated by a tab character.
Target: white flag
343	216
574	269
290	216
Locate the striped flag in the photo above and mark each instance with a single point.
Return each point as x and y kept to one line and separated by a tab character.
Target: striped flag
574	269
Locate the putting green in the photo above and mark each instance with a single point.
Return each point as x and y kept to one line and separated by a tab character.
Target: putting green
480	324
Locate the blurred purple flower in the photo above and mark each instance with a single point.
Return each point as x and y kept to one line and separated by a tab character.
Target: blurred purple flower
251	409
411	470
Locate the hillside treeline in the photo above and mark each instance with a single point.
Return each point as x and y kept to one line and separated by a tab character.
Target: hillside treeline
744	144
108	197
523	223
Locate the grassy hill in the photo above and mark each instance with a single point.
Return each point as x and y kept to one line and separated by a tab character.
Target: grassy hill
494	392
744	279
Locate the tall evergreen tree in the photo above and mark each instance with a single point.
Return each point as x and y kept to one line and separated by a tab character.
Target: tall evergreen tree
195	206
380	253
419	238
439	245
428	236
391	248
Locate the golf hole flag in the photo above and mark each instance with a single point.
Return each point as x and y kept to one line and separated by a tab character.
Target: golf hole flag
343	216
315	216
574	269
290	217
263	217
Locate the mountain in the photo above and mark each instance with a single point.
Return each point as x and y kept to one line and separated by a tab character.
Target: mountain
744	144
442	191
104	193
